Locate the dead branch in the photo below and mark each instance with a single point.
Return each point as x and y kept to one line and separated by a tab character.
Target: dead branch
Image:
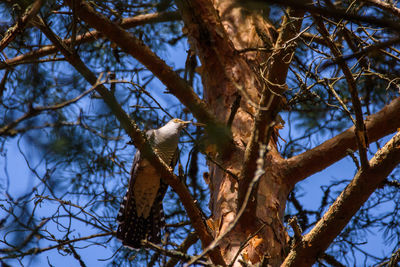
61	243
338	13
186	244
331	260
394	259
76	255
360	130
175	254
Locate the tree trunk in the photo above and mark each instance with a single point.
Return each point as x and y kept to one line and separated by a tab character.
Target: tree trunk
223	77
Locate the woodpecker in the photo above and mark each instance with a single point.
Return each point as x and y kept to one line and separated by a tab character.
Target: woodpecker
141	214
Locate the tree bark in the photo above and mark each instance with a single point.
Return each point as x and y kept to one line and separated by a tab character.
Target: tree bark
216	31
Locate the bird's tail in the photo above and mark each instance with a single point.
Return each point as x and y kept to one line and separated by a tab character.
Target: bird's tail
132	229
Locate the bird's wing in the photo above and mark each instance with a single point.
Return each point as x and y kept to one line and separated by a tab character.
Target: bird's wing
135	220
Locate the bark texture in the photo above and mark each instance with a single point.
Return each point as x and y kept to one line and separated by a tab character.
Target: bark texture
217	31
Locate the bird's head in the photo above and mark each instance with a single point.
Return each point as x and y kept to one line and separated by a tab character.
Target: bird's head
179	123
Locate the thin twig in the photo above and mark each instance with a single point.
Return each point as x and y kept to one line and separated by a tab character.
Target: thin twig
76	255
33	111
60	244
360	129
91	36
186	244
170	253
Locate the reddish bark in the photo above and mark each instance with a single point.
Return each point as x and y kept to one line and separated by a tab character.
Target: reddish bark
223	71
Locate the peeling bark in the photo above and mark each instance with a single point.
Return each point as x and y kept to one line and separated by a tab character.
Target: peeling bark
216	37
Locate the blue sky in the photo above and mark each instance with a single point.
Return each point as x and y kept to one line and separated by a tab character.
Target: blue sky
21	181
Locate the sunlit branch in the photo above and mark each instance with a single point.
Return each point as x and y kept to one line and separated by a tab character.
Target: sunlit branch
364	183
384	5
377	125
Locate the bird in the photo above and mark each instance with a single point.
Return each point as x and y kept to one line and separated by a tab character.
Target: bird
141	215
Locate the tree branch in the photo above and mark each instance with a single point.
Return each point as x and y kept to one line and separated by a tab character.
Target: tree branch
35	251
208	38
30	12
365	182
360	130
378	125
384	5
136	48
174	254
186	244
91	36
331	260
9	129
140	142
338	13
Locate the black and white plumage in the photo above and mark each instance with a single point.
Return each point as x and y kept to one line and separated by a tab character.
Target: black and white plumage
141	214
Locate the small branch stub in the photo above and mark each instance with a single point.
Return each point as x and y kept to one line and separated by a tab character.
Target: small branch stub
297	237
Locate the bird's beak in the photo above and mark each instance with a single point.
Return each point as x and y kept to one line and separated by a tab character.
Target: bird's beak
184	123
198	124
194	123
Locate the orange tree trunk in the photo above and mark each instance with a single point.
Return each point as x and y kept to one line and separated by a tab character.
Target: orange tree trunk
219	32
